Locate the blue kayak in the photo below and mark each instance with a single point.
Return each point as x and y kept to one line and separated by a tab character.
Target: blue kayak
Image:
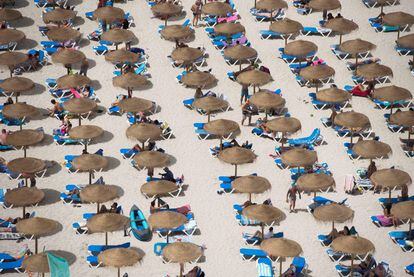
139	224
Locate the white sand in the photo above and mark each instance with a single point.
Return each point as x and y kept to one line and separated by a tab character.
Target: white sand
219	231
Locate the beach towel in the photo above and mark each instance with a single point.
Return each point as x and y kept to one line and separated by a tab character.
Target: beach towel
385	221
349	183
59	267
75	93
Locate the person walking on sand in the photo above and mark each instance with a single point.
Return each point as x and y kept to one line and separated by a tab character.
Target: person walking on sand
244	93
196	10
84	67
291	197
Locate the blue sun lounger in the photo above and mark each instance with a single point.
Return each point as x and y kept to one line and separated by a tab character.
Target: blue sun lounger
265	267
409	269
15	265
158	247
249	254
396	235
94	250
4	257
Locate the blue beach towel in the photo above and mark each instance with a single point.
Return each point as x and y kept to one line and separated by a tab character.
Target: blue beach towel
59	267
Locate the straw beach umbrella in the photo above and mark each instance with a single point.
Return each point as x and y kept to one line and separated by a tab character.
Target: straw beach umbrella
353	121
317	73
199	79
120	257
373	71
210	104
356	47
270	6
236	156
181	253
267	101
404	211
229	28
255	78
85	132
176	32
151	160
79	107
240	53
11	35
144	132
352	245
287	27
73	81
342	26
17	85
135	105
390	179
315	182
24	138
281	248
26	165
58	16
219	9
284	125
167	220
11	59
404	119
371	149
166	10
121	56
89	163
107	222
265	214
251	184
392	94
109	14
186	55
324	5
62	34
118	36
333	213
299	157
222	128
300	48
24	197
158	188
398	19
19	111
68	56
333	95
8	15
131	81
39	263
406	41
38	227
99	194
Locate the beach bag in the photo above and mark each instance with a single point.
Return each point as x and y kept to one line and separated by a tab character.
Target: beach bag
194	8
59	267
264	69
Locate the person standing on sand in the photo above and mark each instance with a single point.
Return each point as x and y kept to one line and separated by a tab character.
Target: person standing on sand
196	9
291	197
244	93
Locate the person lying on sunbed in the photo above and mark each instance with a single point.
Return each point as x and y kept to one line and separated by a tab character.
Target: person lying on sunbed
56	109
361	91
290	272
267	235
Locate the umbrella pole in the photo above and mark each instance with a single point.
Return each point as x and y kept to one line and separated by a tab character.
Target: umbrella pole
106	238
80	120
168	238
280	266
389	195
261	224
398	34
181	269
409	228
17	97
221	143
208	117
35	245
333	225
340	39
24	151
314	194
11	72
356	63
255	1
235	170
119	272
97	207
316	85
165	23
86	147
285	41
250	198
352	264
90	177
24	211
21	126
